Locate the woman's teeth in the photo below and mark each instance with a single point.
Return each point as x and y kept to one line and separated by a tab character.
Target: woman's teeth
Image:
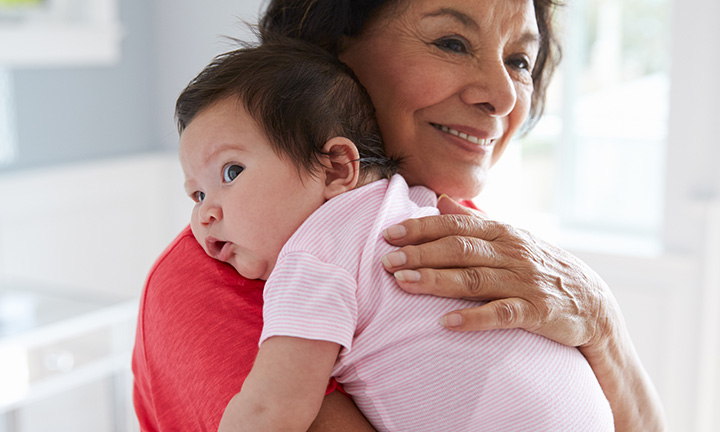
472	139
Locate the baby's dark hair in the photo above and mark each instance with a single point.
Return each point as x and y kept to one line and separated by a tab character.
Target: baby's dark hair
300	95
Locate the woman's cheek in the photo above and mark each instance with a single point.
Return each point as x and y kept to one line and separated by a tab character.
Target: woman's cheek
514	121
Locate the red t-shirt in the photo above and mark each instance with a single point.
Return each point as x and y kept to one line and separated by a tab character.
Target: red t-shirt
197	335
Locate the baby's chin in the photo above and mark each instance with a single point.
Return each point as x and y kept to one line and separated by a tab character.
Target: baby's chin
250	270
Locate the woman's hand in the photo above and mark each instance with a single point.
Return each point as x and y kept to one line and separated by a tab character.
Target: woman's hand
530	284
527	282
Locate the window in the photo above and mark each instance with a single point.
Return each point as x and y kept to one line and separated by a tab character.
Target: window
595	162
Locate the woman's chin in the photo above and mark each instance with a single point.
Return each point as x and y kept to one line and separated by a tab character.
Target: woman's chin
457	185
460	190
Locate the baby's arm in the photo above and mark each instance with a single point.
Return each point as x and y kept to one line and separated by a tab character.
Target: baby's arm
285	387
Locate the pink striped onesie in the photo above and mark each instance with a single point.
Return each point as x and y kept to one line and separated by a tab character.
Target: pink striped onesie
404	371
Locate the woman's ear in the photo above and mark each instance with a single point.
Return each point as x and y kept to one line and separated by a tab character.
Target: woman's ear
342	168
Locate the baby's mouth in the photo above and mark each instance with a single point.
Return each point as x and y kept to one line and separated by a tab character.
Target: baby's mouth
220	250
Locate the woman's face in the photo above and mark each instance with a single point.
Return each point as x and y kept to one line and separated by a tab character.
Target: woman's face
451	82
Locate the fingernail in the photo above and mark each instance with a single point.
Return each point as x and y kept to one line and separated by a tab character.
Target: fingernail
394	259
395	232
407	275
451	320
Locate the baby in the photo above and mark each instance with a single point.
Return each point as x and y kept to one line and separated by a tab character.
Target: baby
283	157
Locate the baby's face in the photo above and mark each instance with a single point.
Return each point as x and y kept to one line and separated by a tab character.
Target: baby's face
248	200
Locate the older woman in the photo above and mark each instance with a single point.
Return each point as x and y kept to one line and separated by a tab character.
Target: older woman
452	81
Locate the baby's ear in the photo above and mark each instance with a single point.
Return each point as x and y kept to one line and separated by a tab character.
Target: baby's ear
341	166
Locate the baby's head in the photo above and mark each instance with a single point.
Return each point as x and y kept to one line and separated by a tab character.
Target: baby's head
267	135
299	95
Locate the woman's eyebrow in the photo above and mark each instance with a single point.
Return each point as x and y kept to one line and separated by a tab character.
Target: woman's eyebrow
529	37
461	17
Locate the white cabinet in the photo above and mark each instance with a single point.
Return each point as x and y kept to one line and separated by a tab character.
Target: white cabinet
65	361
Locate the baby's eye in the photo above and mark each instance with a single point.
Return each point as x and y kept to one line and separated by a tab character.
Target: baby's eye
198	196
231	171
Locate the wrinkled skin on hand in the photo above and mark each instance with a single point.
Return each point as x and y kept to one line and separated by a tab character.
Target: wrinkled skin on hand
526	282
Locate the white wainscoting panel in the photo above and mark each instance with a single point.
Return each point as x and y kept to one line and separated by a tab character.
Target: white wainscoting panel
97	226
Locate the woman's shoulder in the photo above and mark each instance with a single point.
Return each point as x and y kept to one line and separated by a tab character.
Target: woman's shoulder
185	263
187	289
184	244
194	313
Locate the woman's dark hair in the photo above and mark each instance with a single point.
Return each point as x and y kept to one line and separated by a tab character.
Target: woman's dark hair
327	22
300	96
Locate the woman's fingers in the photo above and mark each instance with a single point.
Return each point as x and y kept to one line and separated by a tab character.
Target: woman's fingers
519	313
426	229
483	284
429	228
446	252
513	302
477	283
454	219
499	314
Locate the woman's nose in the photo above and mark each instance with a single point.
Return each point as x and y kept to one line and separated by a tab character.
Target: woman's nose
209	212
492	89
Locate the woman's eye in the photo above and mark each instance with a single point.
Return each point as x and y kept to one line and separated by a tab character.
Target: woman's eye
231	171
198	196
453	44
521	63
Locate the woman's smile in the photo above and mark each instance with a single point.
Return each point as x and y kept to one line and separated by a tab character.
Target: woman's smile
476	144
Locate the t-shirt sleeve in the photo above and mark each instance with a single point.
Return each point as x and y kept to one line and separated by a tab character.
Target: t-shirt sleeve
308	298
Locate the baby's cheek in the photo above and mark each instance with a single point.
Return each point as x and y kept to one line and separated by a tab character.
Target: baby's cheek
194	227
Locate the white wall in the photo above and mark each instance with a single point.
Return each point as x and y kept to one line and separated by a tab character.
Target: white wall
692	219
94	226
188	34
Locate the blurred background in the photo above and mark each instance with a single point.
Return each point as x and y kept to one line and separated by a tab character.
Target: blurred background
621	171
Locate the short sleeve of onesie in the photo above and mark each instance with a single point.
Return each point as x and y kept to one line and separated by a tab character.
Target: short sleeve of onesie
308	298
